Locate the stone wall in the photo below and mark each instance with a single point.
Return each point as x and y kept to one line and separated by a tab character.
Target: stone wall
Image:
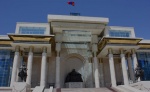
36	72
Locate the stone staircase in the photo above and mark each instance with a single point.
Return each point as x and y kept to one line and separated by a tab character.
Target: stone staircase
142	86
127	88
122	89
81	90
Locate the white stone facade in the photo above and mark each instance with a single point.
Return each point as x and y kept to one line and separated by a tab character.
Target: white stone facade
75	42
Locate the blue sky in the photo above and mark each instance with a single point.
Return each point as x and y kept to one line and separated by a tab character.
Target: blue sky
130	13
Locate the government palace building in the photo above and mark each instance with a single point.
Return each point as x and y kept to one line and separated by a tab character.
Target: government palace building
74	54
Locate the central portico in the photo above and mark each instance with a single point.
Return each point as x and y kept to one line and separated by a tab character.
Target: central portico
75	43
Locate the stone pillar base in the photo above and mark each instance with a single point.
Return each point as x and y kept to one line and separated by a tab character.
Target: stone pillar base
21	87
74	85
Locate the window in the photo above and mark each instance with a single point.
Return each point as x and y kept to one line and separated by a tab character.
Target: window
78	33
144	62
119	33
76	36
32	30
6	61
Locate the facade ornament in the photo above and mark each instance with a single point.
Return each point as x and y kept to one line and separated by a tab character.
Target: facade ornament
23	73
139	73
73	76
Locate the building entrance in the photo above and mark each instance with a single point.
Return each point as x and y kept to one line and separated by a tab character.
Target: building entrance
70	63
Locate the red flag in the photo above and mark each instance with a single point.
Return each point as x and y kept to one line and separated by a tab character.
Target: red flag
71	3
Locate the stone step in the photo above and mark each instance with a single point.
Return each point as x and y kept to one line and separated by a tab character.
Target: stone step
38	89
49	90
124	89
46	90
81	90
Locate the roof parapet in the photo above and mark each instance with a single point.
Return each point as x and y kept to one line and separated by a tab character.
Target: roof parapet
83	19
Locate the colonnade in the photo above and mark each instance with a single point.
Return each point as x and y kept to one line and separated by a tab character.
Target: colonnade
29	66
112	67
96	72
124	66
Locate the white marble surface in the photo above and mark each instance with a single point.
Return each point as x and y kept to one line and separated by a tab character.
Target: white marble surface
20	87
38	89
74	85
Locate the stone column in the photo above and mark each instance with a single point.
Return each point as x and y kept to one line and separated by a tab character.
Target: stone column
43	67
135	61
29	66
131	71
58	48
15	64
96	72
112	69
101	73
124	68
57	72
18	79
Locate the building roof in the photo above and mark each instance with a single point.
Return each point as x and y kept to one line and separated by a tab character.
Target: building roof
28	37
84	19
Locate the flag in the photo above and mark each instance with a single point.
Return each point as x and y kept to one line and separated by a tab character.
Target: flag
71	3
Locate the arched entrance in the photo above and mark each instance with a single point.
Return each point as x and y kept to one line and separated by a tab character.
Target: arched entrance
69	62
